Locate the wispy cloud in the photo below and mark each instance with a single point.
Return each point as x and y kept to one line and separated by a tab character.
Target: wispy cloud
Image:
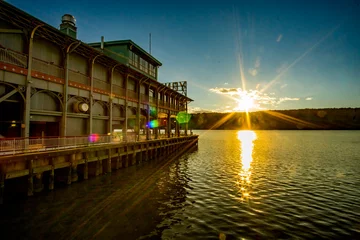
254	71
192	109
287	99
283	86
279	38
257	62
226	83
308	98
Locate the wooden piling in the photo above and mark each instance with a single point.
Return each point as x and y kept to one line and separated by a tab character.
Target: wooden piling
30	178
86	168
109	162
2	184
38	184
52	174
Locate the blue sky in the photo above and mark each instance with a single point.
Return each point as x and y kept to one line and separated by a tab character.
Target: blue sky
289	54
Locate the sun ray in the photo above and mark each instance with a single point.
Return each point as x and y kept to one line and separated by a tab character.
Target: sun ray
293	120
300	58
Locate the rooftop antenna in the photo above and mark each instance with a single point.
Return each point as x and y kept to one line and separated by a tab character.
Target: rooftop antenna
150	43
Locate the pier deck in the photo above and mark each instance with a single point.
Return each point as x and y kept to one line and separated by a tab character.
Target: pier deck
67	163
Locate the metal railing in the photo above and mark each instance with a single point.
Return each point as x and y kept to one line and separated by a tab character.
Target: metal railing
100	84
48	68
144	98
13	146
119	90
78	77
152	99
132	94
12	57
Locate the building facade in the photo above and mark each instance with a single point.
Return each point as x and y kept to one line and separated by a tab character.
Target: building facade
52	84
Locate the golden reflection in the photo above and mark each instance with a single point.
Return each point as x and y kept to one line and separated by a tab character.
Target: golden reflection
246	146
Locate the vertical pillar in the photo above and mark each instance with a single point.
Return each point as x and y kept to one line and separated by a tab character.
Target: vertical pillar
109	162
133	157
52	175
137	124
2	183
168	126
74	175
38	184
156	129
65	97
66	87
147	124
30	178
69	174
26	116
111	100
126	106
86	167
187	119
91	94
118	160
126	159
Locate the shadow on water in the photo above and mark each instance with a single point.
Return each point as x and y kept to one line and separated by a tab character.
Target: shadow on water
126	204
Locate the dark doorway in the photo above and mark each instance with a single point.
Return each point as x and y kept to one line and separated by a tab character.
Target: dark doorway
46	129
11	118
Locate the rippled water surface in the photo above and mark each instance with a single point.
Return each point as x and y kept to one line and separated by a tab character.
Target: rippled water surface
239	184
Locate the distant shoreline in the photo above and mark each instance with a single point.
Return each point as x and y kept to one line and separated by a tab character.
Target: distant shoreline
301	119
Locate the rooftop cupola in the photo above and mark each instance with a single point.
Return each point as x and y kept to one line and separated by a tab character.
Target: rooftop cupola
68	25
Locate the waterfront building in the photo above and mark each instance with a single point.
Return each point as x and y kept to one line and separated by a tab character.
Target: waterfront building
54	85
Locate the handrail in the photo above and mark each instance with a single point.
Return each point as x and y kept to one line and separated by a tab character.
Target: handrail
12	146
13	57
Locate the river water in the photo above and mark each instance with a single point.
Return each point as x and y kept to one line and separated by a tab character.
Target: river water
238	185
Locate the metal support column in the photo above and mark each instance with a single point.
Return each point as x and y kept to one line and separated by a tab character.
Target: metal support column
126	106
168	122
26	132
66	87
137	121
148	114
111	100
157	113
91	94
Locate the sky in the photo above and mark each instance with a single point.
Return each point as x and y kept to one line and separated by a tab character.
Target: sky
278	54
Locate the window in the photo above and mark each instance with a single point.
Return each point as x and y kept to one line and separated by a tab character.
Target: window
143	65
134	59
152	70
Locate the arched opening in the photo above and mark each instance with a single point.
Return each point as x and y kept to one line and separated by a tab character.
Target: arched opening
11	111
45	114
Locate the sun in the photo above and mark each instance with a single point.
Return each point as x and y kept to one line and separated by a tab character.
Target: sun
245	103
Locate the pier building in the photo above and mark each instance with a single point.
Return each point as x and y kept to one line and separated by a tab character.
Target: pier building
65	103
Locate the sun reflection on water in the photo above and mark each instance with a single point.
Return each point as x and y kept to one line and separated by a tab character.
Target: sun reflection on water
246	146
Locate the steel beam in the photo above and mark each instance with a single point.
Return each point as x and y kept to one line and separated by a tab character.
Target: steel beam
8	95
10	30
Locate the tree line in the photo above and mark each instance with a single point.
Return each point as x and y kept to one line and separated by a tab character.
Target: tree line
310	119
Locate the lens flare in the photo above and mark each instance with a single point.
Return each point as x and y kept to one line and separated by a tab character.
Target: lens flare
183	117
93	138
153	124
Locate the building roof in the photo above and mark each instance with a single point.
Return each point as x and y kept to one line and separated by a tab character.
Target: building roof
127	42
27	23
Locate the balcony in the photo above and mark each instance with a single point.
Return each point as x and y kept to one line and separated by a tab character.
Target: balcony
13	57
48	68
